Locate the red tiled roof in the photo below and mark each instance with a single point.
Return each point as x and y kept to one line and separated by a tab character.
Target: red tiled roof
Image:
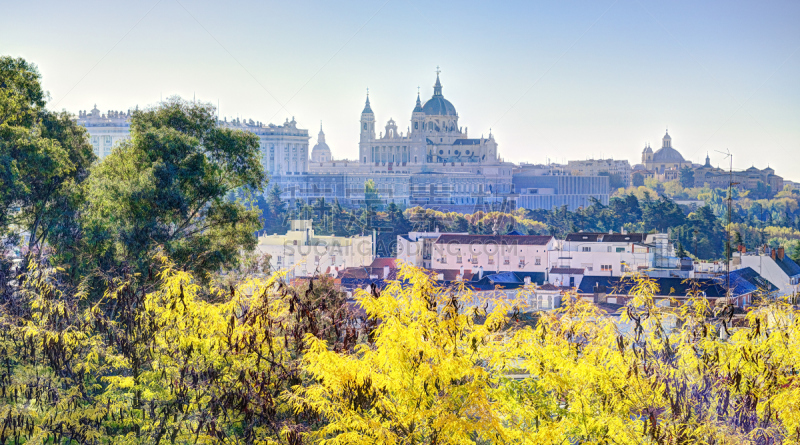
524	240
353	272
382	262
452	274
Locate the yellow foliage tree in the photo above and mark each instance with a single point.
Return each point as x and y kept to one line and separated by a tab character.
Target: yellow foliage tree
422	380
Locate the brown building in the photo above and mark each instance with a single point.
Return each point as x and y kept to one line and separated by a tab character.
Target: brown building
748	179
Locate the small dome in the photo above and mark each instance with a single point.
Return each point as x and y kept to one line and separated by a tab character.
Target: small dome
321	152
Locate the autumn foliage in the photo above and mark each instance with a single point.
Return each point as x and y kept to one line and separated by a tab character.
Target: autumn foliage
262	362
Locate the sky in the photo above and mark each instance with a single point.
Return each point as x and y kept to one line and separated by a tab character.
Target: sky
553	81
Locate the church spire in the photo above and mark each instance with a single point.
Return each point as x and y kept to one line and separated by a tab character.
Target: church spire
418	107
367	108
437	87
321	136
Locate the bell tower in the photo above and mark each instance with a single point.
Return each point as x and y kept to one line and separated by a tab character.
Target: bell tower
367	133
417	117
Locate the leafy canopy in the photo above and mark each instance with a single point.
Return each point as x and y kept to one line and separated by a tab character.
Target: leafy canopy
168	188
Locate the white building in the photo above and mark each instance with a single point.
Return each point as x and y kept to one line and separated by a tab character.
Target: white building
593	167
284	148
416	248
608	254
304	254
105	130
492	253
773	265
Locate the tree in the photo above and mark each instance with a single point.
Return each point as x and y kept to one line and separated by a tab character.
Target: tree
680	252
637	179
45	158
371	198
687	177
164	362
614	180
276	214
166	190
422	380
704	231
651	385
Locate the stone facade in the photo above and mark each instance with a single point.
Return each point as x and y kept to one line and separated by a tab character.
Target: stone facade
105	130
665	158
748	179
594	167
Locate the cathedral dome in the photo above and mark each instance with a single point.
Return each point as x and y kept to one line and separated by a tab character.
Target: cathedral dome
438	105
667	154
321	152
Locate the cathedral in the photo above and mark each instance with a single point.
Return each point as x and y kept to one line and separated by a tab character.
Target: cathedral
433	138
665	158
433	163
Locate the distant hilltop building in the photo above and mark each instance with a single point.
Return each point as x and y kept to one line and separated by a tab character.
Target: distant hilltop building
105	130
666	164
433	163
284	148
597	167
434	138
665	158
764	181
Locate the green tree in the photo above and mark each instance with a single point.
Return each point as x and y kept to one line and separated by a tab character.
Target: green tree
637	179
614	180
705	232
276	216
44	158
371	198
687	177
680	252
166	190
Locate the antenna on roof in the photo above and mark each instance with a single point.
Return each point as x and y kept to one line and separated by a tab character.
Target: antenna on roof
728	155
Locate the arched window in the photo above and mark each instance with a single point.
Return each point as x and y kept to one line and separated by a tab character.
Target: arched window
365	126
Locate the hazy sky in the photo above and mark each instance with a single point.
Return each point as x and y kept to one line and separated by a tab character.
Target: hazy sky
559	80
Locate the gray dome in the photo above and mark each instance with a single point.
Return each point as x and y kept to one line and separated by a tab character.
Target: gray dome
438	105
667	154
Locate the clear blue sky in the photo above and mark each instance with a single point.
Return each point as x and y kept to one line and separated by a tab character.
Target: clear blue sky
564	80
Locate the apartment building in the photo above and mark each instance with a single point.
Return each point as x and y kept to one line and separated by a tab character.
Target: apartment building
303	253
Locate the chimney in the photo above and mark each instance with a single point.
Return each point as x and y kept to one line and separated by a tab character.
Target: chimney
772	253
385	272
781	253
480	272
